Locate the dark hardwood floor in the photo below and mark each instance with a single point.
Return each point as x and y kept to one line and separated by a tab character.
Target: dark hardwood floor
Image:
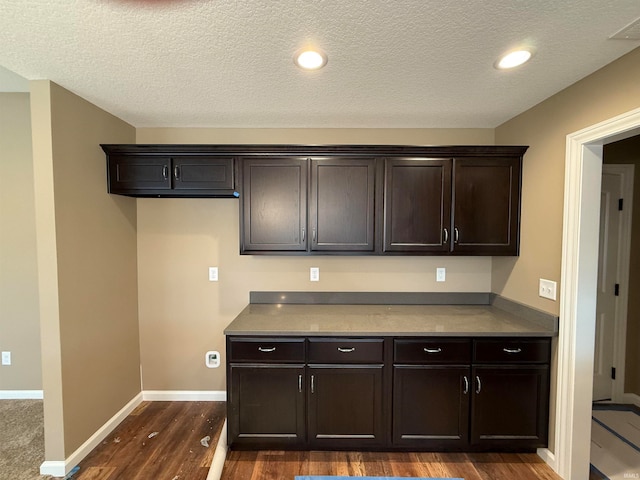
174	453
272	465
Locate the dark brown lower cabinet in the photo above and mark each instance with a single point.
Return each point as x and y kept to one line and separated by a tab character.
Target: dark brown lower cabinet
393	393
431	406
345	406
267	405
510	406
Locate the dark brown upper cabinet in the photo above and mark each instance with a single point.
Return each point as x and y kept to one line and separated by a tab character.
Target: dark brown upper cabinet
417	205
466	206
168	171
341	209
274	204
486	216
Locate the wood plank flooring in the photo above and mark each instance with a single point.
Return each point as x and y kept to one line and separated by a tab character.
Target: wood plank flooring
272	465
174	453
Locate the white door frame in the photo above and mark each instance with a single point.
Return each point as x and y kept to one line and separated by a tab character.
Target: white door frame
583	175
626	171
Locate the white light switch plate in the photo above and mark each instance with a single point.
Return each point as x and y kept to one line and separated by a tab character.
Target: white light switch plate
213	274
547	289
314	274
6	358
441	274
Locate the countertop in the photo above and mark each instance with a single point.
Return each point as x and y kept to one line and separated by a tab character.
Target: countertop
383	320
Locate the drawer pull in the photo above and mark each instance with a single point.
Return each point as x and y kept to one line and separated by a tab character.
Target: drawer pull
511	350
478	384
466	385
346	350
432	350
267	350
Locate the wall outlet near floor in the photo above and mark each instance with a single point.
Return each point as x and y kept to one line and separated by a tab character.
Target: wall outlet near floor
6	358
213	274
314	274
547	289
212	359
441	274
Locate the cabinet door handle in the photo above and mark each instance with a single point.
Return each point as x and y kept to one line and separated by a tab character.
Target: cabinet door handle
299	383
456	235
313	384
267	349
511	350
165	172
478	384
446	236
346	350
176	172
303	235
432	350
314	234
466	385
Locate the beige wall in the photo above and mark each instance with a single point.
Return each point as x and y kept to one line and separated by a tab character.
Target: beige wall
87	263
19	304
613	90
628	151
182	314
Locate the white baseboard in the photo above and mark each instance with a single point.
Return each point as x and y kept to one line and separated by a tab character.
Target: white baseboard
185	395
549	457
21	395
61	468
219	456
631	398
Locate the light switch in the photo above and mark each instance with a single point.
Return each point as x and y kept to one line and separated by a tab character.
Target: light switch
213	274
6	358
441	274
547	289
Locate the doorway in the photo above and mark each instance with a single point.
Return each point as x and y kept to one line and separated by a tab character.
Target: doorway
583	171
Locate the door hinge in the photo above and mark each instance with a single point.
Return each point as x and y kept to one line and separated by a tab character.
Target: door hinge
620	201
616	290
613	373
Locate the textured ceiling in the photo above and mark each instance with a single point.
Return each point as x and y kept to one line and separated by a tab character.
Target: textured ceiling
393	63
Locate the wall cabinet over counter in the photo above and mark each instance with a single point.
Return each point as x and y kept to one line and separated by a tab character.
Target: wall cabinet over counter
342	199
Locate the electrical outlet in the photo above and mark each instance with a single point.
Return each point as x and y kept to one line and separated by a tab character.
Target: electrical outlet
314	274
441	274
212	359
547	289
213	274
6	358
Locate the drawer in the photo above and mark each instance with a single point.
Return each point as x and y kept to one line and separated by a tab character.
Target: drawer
346	350
512	350
266	350
432	350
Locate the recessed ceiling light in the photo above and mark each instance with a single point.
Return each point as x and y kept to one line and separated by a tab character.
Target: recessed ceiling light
513	59
310	59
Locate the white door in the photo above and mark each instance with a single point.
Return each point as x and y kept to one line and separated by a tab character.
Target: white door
607	278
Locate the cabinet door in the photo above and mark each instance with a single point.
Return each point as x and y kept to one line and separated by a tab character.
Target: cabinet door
342	204
486	206
417	205
274	205
510	405
266	405
431	406
203	173
131	174
345	406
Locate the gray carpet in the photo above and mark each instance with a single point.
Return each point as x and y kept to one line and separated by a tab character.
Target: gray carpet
21	440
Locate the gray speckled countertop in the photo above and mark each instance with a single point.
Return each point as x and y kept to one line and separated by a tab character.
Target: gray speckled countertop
383	320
